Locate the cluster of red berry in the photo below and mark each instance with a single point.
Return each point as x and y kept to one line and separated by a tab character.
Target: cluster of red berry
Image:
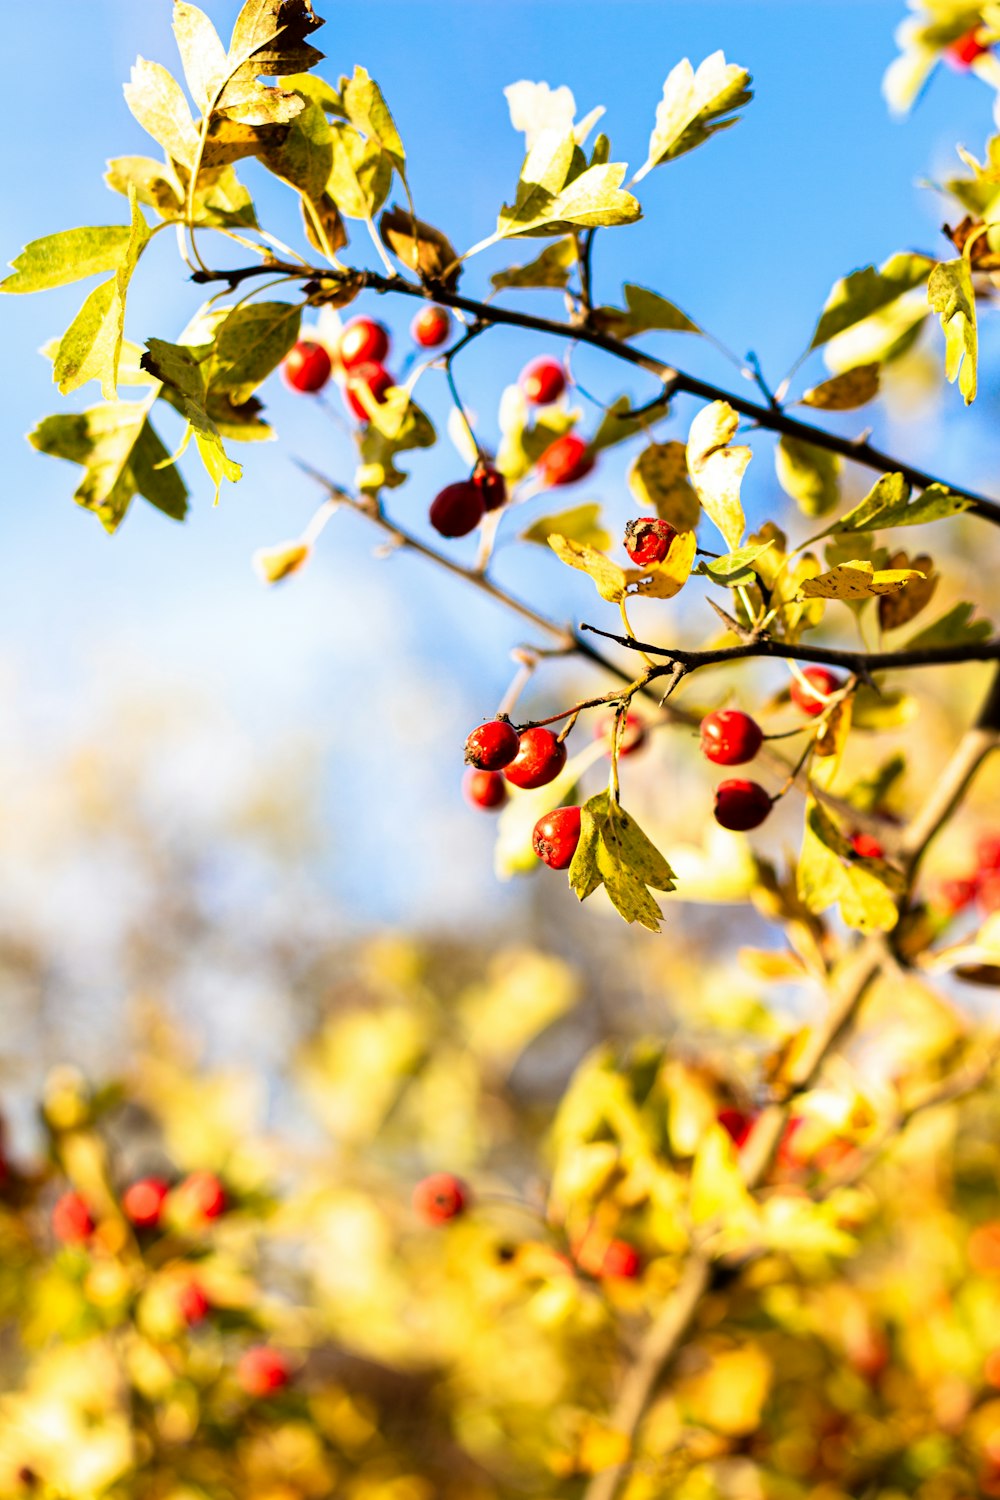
362	349
981	884
967	49
151	1205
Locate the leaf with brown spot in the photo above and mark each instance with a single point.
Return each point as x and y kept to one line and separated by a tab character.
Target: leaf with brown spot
420	246
845	392
895	610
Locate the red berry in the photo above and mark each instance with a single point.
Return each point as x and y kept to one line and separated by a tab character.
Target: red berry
493	745
431	327
484	789
192	1304
556	836
440	1197
988	851
307	366
262	1370
539	759
958	892
964	51
142	1201
867	846
633	735
203	1195
741	805
362	341
373	376
647	540
492	486
458	509
543	381
565	461
823	682
72	1221
620	1261
737	1124
730	737
988	893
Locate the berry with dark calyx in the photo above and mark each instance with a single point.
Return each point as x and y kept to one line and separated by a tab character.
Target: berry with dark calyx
192	1303
362	341
867	846
492	485
484	789
201	1196
373	377
493	745
647	540
431	327
737	1124
633	735
565	461
440	1198
741	805
556	836
966	49
730	737
539	759
822	683
542	381
457	509
143	1200
262	1371
72	1221
307	366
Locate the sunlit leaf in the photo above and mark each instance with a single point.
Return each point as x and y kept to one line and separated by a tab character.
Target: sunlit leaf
845	392
643	311
610	580
658	480
858	579
695	105
810	475
121	455
864	292
951	295
581	524
614	852
549	269
717	470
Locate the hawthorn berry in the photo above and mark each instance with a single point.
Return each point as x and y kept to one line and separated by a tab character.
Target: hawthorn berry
457	509
737	1124
615	1259
484	789
143	1200
192	1303
539	759
492	746
492	486
867	846
565	461
958	892
966	49
633	735
730	737
441	1197
556	836
431	327
741	805
367	374
542	381
362	341
822	683
262	1370
647	540
307	366
988	851
202	1196
72	1221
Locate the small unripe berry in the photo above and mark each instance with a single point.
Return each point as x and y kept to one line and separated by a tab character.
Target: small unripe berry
737	1124
565	461
306	366
965	50
539	759
822	681
440	1198
556	836
647	540
431	327
375	378
202	1196
72	1221
262	1371
362	341
493	745
730	737
484	789
633	735
457	509
741	805
143	1200
867	846
543	381
492	486
192	1303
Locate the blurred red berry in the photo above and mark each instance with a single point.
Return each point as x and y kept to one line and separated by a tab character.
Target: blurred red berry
431	327
789	1155
306	367
988	892
730	737
556	836
741	805
440	1198
192	1304
539	759
484	789
737	1124
457	509
143	1200
262	1370
368	376
491	484
958	892
988	851
966	49
493	745
867	846
613	1259
633	735
542	381
647	540
72	1221
362	341
822	681
565	461
203	1195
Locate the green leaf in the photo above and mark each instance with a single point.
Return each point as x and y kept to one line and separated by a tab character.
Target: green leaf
867	291
550	269
735	568
644	311
157	101
526	434
121	455
303	156
718	1191
581	524
182	370
829	873
717	470
252	342
951	295
810	475
617	425
846	391
694	106
658	479
858	579
957	627
368	112
888	504
550	200
614	852
397	425
361	173
202	54
609	579
70	255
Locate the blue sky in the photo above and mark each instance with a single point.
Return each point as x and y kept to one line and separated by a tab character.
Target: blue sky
381	664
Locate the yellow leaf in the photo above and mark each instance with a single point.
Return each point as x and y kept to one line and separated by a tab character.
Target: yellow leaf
658	480
717	470
844	392
730	1394
667	578
609	579
857	580
271	564
717	1187
581	524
